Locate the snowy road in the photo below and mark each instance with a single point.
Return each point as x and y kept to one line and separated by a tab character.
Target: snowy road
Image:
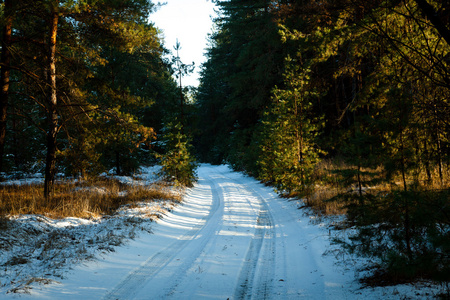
233	238
224	242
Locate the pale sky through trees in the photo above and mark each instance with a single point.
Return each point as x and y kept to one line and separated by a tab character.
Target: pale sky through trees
189	21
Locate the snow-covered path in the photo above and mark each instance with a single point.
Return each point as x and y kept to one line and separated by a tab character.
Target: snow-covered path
233	238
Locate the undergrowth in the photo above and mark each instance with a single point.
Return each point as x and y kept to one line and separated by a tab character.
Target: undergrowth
402	223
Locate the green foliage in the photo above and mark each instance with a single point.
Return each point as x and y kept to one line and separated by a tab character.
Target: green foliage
178	164
244	65
82	158
408	231
113	86
360	148
109	141
289	130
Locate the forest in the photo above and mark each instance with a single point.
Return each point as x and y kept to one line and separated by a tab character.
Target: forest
344	103
86	87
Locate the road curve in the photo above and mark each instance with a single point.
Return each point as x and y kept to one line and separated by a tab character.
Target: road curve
233	238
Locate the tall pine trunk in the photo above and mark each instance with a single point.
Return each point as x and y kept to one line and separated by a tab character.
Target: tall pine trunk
4	75
50	167
118	169
407	222
438	144
299	136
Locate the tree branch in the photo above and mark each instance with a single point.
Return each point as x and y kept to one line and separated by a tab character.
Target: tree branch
432	15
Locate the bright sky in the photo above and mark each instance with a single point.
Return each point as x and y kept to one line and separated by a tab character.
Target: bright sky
189	21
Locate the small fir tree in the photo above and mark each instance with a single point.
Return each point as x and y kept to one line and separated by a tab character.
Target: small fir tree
178	163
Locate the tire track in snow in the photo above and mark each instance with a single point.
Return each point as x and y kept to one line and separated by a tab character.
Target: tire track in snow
263	284
275	244
129	286
256	276
293	286
207	235
255	279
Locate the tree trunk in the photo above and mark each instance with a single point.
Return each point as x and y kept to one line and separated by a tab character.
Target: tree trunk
438	145
299	136
404	198
427	164
50	167
4	76
180	74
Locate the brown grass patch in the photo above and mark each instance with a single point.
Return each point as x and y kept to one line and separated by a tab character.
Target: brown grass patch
75	199
334	178
321	201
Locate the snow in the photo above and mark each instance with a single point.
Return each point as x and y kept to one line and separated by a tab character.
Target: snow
145	175
231	238
30	179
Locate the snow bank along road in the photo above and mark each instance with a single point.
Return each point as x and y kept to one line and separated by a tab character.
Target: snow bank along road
231	238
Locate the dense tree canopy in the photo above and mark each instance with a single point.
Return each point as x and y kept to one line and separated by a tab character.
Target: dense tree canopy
85	86
373	71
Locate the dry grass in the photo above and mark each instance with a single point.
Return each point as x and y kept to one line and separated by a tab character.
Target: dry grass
436	183
321	201
330	183
74	199
328	186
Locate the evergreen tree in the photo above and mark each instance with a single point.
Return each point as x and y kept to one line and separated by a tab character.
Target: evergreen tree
177	161
289	149
109	71
246	65
9	11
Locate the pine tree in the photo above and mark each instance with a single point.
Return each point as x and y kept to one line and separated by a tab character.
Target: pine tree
90	94
9	11
289	149
246	65
177	161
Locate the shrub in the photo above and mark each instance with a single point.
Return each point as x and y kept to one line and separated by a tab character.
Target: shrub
408	231
178	164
